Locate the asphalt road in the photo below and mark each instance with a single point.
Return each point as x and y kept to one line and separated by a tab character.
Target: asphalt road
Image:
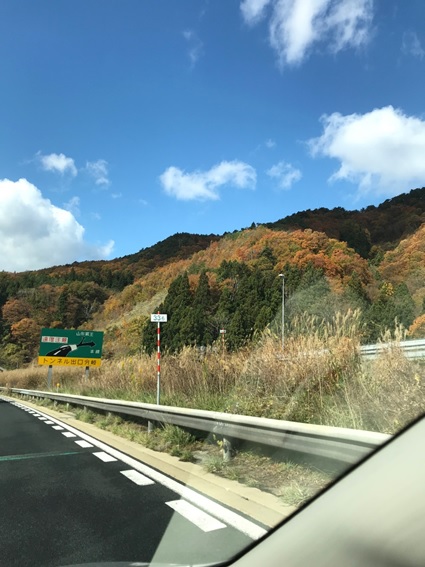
66	499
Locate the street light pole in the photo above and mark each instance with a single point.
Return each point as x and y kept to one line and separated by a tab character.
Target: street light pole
283	309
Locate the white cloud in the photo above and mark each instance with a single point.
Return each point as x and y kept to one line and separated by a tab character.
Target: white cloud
58	163
73	205
349	23
99	171
295	26
195	46
270	144
203	185
382	151
35	234
412	46
253	10
285	174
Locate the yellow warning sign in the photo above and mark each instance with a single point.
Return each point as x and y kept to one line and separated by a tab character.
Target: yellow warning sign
71	361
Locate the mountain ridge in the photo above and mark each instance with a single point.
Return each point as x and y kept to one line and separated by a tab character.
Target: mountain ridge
236	274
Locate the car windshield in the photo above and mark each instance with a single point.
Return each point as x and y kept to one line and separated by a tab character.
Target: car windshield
212	266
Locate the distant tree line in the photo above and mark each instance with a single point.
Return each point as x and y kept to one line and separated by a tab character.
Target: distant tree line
368	230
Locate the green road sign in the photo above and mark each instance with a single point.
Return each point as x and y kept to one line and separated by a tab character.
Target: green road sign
61	347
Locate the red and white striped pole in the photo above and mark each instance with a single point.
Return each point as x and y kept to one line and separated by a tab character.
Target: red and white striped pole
158	318
158	358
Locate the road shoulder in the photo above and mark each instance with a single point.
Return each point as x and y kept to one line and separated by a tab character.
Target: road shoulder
260	506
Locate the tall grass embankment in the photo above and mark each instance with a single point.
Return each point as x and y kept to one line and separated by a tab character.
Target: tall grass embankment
319	377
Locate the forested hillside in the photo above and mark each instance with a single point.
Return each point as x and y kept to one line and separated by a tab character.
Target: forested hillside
372	260
368	231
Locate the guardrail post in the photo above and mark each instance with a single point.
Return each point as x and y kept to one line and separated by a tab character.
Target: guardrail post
227	449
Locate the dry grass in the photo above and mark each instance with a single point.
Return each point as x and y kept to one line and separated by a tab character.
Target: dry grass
293	483
318	378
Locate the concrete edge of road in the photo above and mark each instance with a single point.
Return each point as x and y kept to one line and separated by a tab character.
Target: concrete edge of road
252	502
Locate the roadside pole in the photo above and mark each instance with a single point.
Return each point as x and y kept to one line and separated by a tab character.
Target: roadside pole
49	377
222	333
158	367
158	318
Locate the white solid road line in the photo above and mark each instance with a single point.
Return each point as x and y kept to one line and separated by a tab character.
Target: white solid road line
201	519
137	477
219	511
105	457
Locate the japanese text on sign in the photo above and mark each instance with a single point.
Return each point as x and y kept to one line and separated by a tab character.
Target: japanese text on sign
61	340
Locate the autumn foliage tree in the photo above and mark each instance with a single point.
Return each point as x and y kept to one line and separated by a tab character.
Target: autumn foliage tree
417	328
14	310
26	334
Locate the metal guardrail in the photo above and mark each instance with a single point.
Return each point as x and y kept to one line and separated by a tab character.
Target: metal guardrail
336	443
411	349
414	349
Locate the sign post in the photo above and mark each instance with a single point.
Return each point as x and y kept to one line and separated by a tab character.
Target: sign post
158	318
49	377
222	333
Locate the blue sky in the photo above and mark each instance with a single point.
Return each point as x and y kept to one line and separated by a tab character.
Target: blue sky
123	122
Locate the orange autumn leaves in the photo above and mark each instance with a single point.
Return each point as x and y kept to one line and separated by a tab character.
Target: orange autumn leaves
299	248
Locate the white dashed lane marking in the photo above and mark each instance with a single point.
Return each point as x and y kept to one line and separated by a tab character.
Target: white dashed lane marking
105	457
49	422
137	478
201	519
84	444
206	514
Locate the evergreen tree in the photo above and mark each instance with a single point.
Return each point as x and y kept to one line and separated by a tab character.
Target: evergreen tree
202	311
267	260
393	305
177	306
312	297
237	334
62	306
225	308
355	294
404	305
356	237
264	318
202	297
